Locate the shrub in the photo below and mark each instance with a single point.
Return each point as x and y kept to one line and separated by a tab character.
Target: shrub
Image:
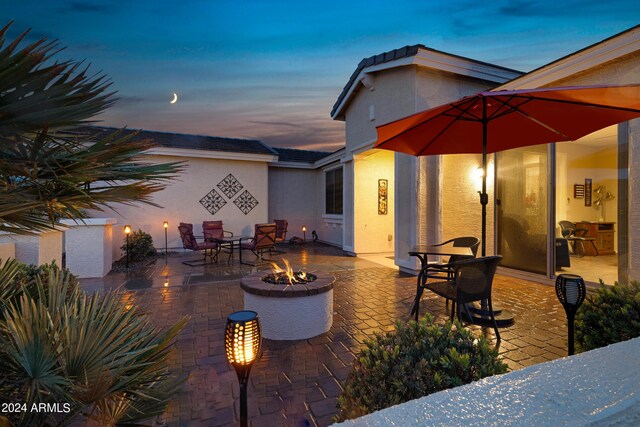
94	352
417	359
140	246
609	315
17	278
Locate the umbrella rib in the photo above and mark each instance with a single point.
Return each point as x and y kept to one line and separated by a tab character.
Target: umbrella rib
464	111
516	109
500	112
419	123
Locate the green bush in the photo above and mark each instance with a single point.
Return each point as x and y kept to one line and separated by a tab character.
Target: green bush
17	278
609	315
140	246
95	355
417	359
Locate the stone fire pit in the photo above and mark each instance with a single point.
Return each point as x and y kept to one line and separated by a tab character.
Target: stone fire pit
290	312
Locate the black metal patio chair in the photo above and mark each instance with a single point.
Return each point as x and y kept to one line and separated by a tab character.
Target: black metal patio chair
472	281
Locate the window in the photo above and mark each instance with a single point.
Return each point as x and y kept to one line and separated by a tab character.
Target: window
333	191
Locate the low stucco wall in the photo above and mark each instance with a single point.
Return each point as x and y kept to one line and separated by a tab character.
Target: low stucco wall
88	246
599	387
40	248
7	250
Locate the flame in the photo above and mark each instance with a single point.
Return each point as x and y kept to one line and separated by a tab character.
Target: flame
288	272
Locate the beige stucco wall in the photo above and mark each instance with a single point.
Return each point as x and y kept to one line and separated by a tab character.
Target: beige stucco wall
180	201
373	232
7	250
40	248
293	196
462	214
460	202
392	97
420	216
89	246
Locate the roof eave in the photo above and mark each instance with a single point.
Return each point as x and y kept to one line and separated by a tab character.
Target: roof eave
437	60
212	154
592	56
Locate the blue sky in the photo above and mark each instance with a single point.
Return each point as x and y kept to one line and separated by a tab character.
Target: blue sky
271	70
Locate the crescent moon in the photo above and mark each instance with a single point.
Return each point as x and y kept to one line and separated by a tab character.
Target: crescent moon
175	98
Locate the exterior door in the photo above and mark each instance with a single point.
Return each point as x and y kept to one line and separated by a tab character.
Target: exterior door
521	208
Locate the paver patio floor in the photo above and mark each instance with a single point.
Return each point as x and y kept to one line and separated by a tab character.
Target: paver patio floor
296	383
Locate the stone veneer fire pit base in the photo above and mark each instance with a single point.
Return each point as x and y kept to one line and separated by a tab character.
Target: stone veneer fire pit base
293	312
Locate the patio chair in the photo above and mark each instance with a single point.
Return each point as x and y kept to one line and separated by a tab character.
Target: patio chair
577	237
281	229
214	232
443	270
437	270
281	234
189	241
472	281
264	239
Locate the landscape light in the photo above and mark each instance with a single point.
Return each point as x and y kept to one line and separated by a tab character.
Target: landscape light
165	224
571	291
242	342
127	231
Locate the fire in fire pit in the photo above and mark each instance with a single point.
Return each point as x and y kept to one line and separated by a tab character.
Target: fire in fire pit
287	276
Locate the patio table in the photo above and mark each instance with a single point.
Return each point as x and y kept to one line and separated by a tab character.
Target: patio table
422	252
230	241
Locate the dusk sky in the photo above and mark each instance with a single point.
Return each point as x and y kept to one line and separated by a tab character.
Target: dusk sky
272	70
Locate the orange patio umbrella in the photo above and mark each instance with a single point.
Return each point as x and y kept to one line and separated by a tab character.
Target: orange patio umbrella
493	121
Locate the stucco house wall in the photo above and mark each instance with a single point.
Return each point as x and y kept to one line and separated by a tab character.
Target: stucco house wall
180	201
387	87
39	248
374	232
459	213
293	196
391	96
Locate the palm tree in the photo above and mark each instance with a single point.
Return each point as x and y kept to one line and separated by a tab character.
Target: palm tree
51	167
100	355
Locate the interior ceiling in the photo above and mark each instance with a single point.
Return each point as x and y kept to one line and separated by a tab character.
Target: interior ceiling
601	137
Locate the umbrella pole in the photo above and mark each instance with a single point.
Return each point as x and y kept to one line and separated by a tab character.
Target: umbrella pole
484	197
484	200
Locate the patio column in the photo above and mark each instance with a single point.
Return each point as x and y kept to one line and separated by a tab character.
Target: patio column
348	210
633	135
417	206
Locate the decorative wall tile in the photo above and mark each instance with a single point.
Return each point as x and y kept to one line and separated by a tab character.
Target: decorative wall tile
245	202
213	201
230	186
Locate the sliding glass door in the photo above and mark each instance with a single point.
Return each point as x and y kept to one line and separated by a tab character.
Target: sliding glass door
522	207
